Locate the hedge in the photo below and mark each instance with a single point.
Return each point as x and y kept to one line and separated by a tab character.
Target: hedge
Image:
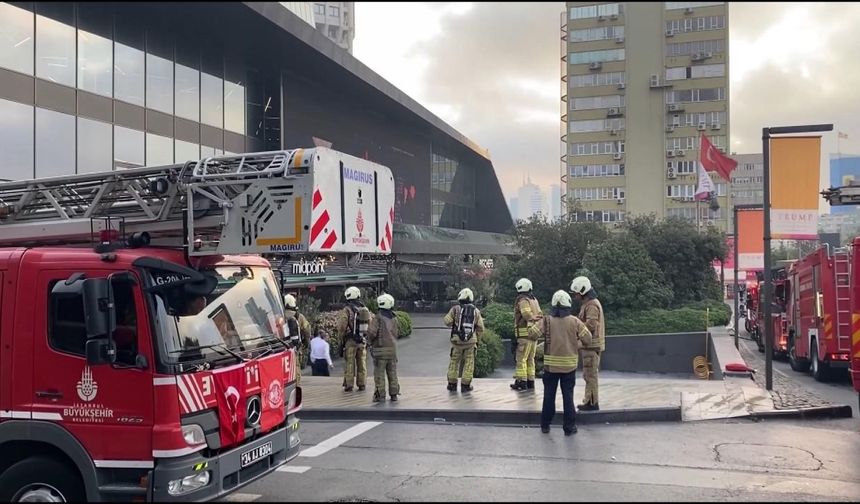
489	354
499	318
658	321
404	324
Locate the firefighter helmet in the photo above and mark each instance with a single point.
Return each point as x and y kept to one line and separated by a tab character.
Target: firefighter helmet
352	293
466	295
385	301
561	298
290	301
580	285
524	285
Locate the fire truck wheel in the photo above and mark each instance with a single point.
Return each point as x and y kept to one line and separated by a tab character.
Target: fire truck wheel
798	364
40	479
819	369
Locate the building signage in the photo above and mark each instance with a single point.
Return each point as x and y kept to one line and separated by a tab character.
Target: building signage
307	268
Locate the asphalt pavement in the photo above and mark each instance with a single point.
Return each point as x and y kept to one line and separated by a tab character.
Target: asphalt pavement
775	460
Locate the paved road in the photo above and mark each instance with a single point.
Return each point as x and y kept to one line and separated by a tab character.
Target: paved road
837	391
701	461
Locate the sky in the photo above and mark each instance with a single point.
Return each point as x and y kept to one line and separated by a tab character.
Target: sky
492	71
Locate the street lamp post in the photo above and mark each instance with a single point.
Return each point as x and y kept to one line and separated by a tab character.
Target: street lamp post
766	134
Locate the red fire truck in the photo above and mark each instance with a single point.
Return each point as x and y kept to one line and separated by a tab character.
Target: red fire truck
143	348
820	312
779	317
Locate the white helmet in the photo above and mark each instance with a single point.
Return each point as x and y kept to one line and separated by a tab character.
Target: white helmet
580	285
290	301
466	295
524	285
561	298
385	301
352	293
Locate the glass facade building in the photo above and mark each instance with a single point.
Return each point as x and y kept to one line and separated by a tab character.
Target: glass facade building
92	87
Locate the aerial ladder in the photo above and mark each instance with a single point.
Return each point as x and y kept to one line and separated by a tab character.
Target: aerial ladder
293	201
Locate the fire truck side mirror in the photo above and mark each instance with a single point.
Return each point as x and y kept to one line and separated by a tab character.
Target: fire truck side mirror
98	308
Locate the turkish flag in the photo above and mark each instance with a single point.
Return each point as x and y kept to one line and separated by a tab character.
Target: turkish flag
272	391
230	394
715	161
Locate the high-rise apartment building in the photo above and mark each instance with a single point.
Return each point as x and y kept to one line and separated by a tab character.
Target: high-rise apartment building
531	200
337	21
641	82
748	179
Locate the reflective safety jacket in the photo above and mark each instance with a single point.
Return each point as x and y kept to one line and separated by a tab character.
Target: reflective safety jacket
591	312
563	337
382	335
304	325
453	317
526	312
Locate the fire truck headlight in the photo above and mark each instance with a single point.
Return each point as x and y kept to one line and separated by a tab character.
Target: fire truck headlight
188	483
193	435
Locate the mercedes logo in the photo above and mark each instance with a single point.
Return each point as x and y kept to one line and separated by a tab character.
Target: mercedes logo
253	411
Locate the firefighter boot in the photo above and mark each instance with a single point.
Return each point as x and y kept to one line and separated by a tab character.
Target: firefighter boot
530	384
452	387
589	407
518	385
465	387
361	388
394	397
570	432
377	397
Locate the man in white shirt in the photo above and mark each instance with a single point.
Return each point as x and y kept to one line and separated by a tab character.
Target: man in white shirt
320	356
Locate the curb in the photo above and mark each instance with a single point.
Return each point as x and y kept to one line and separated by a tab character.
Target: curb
835	411
509	417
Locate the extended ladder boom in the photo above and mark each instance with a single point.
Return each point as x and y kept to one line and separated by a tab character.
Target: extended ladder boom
234	204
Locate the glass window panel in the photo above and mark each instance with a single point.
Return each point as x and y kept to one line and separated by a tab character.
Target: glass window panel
206	151
187	151
94	64
16	140
16	39
94	146
212	100
159	84
234	107
128	74
159	150
55	143
128	148
55	51
187	93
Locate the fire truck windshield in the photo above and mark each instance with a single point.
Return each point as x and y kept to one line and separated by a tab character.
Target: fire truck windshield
243	313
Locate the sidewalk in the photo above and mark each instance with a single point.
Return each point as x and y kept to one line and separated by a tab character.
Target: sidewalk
624	397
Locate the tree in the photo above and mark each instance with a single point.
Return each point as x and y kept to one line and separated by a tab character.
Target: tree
402	282
624	275
684	254
472	275
551	254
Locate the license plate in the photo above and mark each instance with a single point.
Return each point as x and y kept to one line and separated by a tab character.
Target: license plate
251	456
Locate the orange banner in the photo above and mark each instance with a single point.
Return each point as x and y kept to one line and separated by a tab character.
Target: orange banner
750	240
794	195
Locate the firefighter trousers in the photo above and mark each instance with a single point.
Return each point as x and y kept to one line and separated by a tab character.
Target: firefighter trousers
590	367
525	359
381	369
466	355
355	356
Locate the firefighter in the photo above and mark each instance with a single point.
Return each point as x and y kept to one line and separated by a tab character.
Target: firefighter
291	310
563	336
466	326
382	339
590	312
526	312
352	325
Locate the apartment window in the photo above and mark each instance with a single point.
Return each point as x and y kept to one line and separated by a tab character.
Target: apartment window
597	102
596	170
695	95
95	146
16	40
159	84
596	125
682	167
688	48
576	58
16	139
55	143
591	34
597	79
55	51
680	191
128	148
690	5
319	9
334	11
